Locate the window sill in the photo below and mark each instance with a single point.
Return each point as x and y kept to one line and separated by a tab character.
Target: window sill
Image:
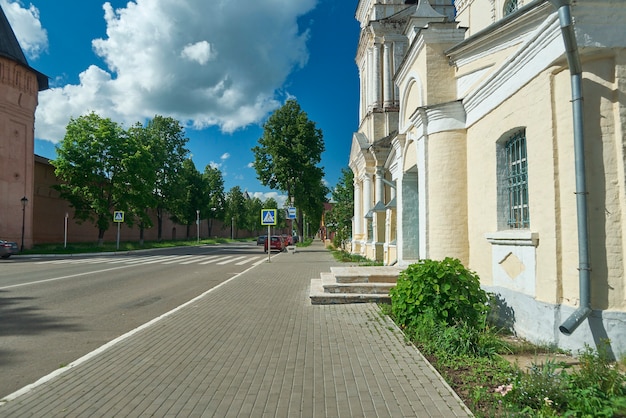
520	237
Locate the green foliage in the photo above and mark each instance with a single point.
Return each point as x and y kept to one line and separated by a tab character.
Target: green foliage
213	184
346	257
339	219
166	144
598	387
91	163
286	159
235	209
492	387
595	389
543	387
445	289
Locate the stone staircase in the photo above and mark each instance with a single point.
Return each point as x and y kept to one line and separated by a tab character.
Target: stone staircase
356	284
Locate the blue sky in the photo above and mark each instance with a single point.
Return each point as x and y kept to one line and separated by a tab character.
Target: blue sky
220	67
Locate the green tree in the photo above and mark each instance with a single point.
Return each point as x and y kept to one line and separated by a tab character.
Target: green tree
235	209
186	208
253	214
339	219
142	178
92	163
167	146
287	156
214	189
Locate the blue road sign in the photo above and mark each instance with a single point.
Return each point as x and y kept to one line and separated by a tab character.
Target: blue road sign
268	216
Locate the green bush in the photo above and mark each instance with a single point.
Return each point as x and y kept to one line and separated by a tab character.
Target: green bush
445	289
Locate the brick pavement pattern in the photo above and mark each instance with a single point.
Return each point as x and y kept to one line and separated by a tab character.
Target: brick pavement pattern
252	347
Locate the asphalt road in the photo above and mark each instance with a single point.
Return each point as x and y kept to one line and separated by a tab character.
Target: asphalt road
54	310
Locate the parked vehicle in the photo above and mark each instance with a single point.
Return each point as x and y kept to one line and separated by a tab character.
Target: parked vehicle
261	240
8	248
276	243
287	240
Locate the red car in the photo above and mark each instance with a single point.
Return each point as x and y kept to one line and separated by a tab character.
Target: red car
276	243
288	240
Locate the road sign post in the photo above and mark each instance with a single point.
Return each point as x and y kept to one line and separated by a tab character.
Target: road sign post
118	217
268	217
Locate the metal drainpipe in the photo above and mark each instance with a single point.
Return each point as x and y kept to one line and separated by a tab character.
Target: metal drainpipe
571	49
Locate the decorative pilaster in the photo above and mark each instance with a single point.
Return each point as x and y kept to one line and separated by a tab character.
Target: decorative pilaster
377	71
388	87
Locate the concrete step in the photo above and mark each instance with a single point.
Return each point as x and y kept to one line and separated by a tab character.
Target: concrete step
366	274
320	297
331	285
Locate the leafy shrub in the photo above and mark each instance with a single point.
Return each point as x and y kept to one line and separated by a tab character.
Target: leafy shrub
445	289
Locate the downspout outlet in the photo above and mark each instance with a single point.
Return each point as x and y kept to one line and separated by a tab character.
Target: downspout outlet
574	320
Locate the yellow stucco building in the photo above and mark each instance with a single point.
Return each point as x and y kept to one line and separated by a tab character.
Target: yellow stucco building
492	131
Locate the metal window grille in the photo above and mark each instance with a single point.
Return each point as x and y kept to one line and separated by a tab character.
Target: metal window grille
510	7
517	181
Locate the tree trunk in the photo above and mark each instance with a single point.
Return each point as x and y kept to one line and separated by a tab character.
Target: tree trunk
141	235
101	237
159	224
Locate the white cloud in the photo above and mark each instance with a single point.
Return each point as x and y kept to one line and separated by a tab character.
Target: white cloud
199	52
280	199
205	63
225	156
25	23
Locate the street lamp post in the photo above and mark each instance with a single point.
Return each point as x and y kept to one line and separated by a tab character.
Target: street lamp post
232	228
211	220
198	226
24	201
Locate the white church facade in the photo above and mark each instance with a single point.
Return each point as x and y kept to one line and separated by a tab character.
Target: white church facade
493	131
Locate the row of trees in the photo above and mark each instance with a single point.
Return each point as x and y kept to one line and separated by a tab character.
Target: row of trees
147	169
144	169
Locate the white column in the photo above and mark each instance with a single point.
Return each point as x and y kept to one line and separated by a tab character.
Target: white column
367	204
358	212
377	72
398	53
379	197
367	193
370	78
388	87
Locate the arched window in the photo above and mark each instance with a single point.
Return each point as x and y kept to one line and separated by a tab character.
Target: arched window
510	6
514	211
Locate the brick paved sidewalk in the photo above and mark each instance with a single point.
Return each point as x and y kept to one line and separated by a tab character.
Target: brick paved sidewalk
253	347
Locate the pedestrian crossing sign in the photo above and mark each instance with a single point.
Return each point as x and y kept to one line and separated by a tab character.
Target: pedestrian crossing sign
118	216
268	216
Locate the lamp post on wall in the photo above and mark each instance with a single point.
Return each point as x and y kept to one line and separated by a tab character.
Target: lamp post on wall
24	201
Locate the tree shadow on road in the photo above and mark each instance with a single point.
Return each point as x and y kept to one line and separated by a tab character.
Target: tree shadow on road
21	316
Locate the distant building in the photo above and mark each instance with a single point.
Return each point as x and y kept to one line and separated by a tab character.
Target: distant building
19	87
470	121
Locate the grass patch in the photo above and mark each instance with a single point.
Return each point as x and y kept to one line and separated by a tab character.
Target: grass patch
85	247
473	362
346	257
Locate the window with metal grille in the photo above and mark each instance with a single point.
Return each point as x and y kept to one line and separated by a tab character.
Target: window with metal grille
516	181
510	6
